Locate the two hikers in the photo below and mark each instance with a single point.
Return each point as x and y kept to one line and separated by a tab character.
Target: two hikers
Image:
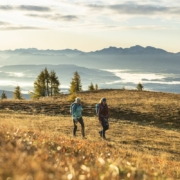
101	110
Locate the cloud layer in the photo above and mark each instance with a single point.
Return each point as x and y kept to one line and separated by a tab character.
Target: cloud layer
97	13
25	8
137	9
55	17
34	8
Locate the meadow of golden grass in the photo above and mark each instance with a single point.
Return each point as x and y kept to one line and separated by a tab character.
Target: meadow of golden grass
142	142
160	109
42	147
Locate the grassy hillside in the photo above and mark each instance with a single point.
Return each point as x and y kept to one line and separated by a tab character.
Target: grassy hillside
36	138
155	108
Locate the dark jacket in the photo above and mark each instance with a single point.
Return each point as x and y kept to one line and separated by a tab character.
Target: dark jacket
103	111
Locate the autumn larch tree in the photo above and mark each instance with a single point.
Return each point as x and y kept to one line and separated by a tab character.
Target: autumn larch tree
17	93
3	95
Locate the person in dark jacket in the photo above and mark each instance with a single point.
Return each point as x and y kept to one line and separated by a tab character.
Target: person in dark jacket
77	117
103	115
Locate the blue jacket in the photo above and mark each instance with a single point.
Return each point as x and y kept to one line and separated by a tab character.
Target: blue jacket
76	111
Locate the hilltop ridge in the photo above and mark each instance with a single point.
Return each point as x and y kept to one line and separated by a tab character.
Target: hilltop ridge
154	108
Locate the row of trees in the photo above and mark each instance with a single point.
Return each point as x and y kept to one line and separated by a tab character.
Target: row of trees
139	87
47	84
93	87
76	86
17	94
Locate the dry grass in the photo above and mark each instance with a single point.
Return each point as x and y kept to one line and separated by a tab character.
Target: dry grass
41	147
148	108
142	142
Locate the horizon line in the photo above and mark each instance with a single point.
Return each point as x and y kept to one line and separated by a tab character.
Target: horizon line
88	51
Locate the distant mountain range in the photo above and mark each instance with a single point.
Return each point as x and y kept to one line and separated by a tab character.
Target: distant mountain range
132	50
135	58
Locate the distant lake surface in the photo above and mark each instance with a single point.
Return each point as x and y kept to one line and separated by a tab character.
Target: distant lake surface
151	81
124	78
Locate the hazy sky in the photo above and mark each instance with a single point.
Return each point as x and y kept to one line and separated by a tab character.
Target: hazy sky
89	24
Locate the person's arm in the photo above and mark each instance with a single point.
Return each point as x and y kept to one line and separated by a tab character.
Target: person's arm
99	113
107	112
74	112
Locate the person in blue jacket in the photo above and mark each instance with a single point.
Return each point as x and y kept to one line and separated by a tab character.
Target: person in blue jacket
77	117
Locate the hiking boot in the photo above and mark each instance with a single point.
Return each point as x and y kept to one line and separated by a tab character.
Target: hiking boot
84	137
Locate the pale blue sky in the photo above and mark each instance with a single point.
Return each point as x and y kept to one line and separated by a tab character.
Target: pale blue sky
89	25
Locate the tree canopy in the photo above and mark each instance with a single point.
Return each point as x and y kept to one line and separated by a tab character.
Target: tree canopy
140	87
91	87
75	85
3	95
46	84
17	93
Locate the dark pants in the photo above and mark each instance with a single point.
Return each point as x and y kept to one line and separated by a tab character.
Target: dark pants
105	127
80	120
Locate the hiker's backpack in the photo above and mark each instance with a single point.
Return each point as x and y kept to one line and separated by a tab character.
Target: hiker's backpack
97	108
71	107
